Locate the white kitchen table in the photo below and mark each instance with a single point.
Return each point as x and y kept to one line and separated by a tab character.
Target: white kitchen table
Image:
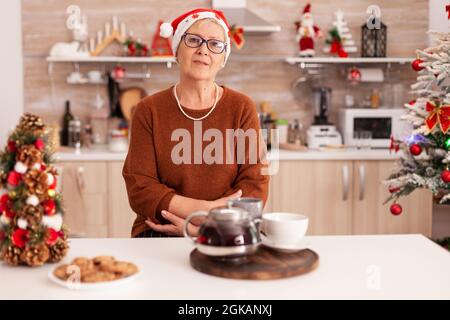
355	267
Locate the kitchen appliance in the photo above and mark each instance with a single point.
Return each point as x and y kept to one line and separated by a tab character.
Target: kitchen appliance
322	133
228	232
382	123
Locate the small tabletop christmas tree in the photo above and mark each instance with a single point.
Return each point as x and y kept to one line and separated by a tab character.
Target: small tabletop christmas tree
31	226
340	40
425	162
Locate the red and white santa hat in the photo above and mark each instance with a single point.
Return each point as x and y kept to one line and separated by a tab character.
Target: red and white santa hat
181	24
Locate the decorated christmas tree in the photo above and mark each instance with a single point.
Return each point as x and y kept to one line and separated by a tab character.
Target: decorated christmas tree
31	226
339	39
425	160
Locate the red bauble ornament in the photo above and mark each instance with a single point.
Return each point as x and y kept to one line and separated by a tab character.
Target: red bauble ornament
415	149
396	209
412	102
39	144
52	237
9	213
445	176
49	207
12	147
416	65
20	238
4	202
118	72
354	75
393	189
14	178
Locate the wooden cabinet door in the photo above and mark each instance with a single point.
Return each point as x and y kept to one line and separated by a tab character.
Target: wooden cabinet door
370	216
321	190
84	189
121	216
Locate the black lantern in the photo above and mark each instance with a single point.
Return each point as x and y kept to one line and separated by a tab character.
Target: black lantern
373	38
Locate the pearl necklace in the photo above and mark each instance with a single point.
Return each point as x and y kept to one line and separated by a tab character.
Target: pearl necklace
188	116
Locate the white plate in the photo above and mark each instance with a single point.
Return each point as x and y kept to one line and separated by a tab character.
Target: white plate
104	285
301	245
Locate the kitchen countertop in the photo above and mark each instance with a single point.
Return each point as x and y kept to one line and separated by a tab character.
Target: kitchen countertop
358	267
101	153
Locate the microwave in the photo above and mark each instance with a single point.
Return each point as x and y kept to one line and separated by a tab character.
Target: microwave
382	123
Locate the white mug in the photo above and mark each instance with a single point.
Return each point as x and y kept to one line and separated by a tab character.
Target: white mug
283	228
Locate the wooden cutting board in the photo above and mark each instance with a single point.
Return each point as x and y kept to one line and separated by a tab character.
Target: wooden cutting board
265	264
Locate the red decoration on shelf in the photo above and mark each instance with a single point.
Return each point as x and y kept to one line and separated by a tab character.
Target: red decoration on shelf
396	209
160	46
438	114
416	65
394	145
447	8
20	238
415	149
445	175
237	36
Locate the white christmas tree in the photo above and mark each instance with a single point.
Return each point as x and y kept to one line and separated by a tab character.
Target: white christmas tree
425	160
340	34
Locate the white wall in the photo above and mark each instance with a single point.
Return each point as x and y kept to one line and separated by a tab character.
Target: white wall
11	67
437	17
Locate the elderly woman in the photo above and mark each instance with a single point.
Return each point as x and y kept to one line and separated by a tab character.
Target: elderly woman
180	159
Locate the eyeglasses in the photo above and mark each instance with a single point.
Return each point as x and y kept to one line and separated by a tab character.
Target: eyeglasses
195	41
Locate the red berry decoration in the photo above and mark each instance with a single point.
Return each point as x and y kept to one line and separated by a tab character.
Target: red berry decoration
416	65
396	209
415	149
445	176
52	237
393	189
20	238
14	178
12	147
412	102
39	144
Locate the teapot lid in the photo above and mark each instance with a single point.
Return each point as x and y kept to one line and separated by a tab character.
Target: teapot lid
228	213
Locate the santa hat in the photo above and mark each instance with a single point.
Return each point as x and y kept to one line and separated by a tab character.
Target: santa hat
181	24
307	9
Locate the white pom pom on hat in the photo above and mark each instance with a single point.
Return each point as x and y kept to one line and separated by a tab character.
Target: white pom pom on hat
166	30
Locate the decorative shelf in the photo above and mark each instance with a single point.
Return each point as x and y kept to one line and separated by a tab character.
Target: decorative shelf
300	60
167	60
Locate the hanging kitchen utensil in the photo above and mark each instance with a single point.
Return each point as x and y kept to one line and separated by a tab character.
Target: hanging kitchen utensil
129	98
113	95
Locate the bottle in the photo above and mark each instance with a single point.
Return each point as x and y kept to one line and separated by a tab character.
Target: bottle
375	98
67	117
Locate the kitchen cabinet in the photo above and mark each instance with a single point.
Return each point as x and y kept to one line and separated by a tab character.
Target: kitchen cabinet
345	197
320	190
85	190
121	216
370	216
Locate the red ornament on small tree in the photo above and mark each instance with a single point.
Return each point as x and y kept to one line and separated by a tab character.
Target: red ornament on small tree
415	149
416	65
445	175
396	209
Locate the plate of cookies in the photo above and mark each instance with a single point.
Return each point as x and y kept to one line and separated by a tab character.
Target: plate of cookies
102	272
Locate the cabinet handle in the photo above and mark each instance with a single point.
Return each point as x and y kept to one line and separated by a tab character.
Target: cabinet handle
362	181
80	178
345	183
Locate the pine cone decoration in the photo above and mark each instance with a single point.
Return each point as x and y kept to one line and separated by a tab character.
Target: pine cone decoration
29	155
32	123
36	182
33	215
11	255
35	255
58	251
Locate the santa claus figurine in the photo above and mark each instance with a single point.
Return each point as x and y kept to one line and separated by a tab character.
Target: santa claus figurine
306	32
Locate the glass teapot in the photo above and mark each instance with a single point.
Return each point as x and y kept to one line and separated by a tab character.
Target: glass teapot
227	232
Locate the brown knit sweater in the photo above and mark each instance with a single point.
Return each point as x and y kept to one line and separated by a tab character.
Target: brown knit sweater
152	178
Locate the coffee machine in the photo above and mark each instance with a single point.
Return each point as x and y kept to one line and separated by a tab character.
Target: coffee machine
322	133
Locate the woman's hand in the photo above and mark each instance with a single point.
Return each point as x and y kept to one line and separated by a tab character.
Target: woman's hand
176	226
224	201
